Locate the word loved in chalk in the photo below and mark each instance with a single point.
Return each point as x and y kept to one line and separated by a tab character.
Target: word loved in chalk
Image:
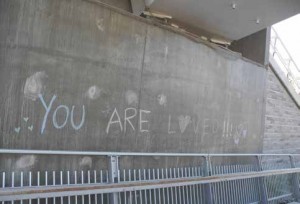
68	114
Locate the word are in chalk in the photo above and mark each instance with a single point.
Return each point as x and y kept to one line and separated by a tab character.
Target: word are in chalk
129	115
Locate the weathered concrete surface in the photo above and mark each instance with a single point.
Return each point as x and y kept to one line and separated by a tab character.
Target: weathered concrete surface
78	76
121	4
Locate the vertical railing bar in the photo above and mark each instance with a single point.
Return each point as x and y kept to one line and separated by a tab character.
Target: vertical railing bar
61	183
30	183
124	180
153	175
183	189
163	189
101	181
3	179
82	182
186	187
197	186
38	184
194	186
150	191
190	186
167	189
107	181
75	182
244	184
227	190
46	184
158	177
13	179
179	188
89	182
130	197
171	176
21	182
135	179
145	191
240	185
234	184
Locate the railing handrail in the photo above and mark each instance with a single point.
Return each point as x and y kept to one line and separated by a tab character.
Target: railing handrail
145	154
86	189
285	48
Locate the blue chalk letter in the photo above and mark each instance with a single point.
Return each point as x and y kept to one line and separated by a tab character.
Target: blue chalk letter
47	108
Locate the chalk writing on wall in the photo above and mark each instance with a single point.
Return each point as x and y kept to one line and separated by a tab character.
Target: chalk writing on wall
63	108
129	115
132	119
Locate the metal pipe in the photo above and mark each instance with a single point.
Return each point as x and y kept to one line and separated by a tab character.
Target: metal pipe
94	153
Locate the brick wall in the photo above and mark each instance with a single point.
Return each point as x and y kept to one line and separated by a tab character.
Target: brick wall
282	119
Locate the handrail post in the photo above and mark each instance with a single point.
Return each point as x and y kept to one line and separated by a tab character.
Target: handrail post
262	185
113	168
207	187
295	180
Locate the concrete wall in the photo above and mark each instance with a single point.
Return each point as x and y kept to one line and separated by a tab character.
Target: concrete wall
282	131
78	76
121	4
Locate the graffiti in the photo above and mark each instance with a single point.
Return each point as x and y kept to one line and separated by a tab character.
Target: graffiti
208	127
129	115
17	129
29	127
63	108
184	121
169	126
133	119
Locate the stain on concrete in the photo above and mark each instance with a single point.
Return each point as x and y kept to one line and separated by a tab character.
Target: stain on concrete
99	23
131	97
34	85
162	99
93	92
26	161
86	162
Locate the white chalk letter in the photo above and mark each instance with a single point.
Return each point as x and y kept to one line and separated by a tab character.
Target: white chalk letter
143	121
127	118
169	126
110	122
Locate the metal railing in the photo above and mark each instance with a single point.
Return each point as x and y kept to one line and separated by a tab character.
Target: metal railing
216	178
284	59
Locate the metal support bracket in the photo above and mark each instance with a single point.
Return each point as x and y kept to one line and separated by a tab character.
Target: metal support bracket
207	187
113	177
295	181
262	183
